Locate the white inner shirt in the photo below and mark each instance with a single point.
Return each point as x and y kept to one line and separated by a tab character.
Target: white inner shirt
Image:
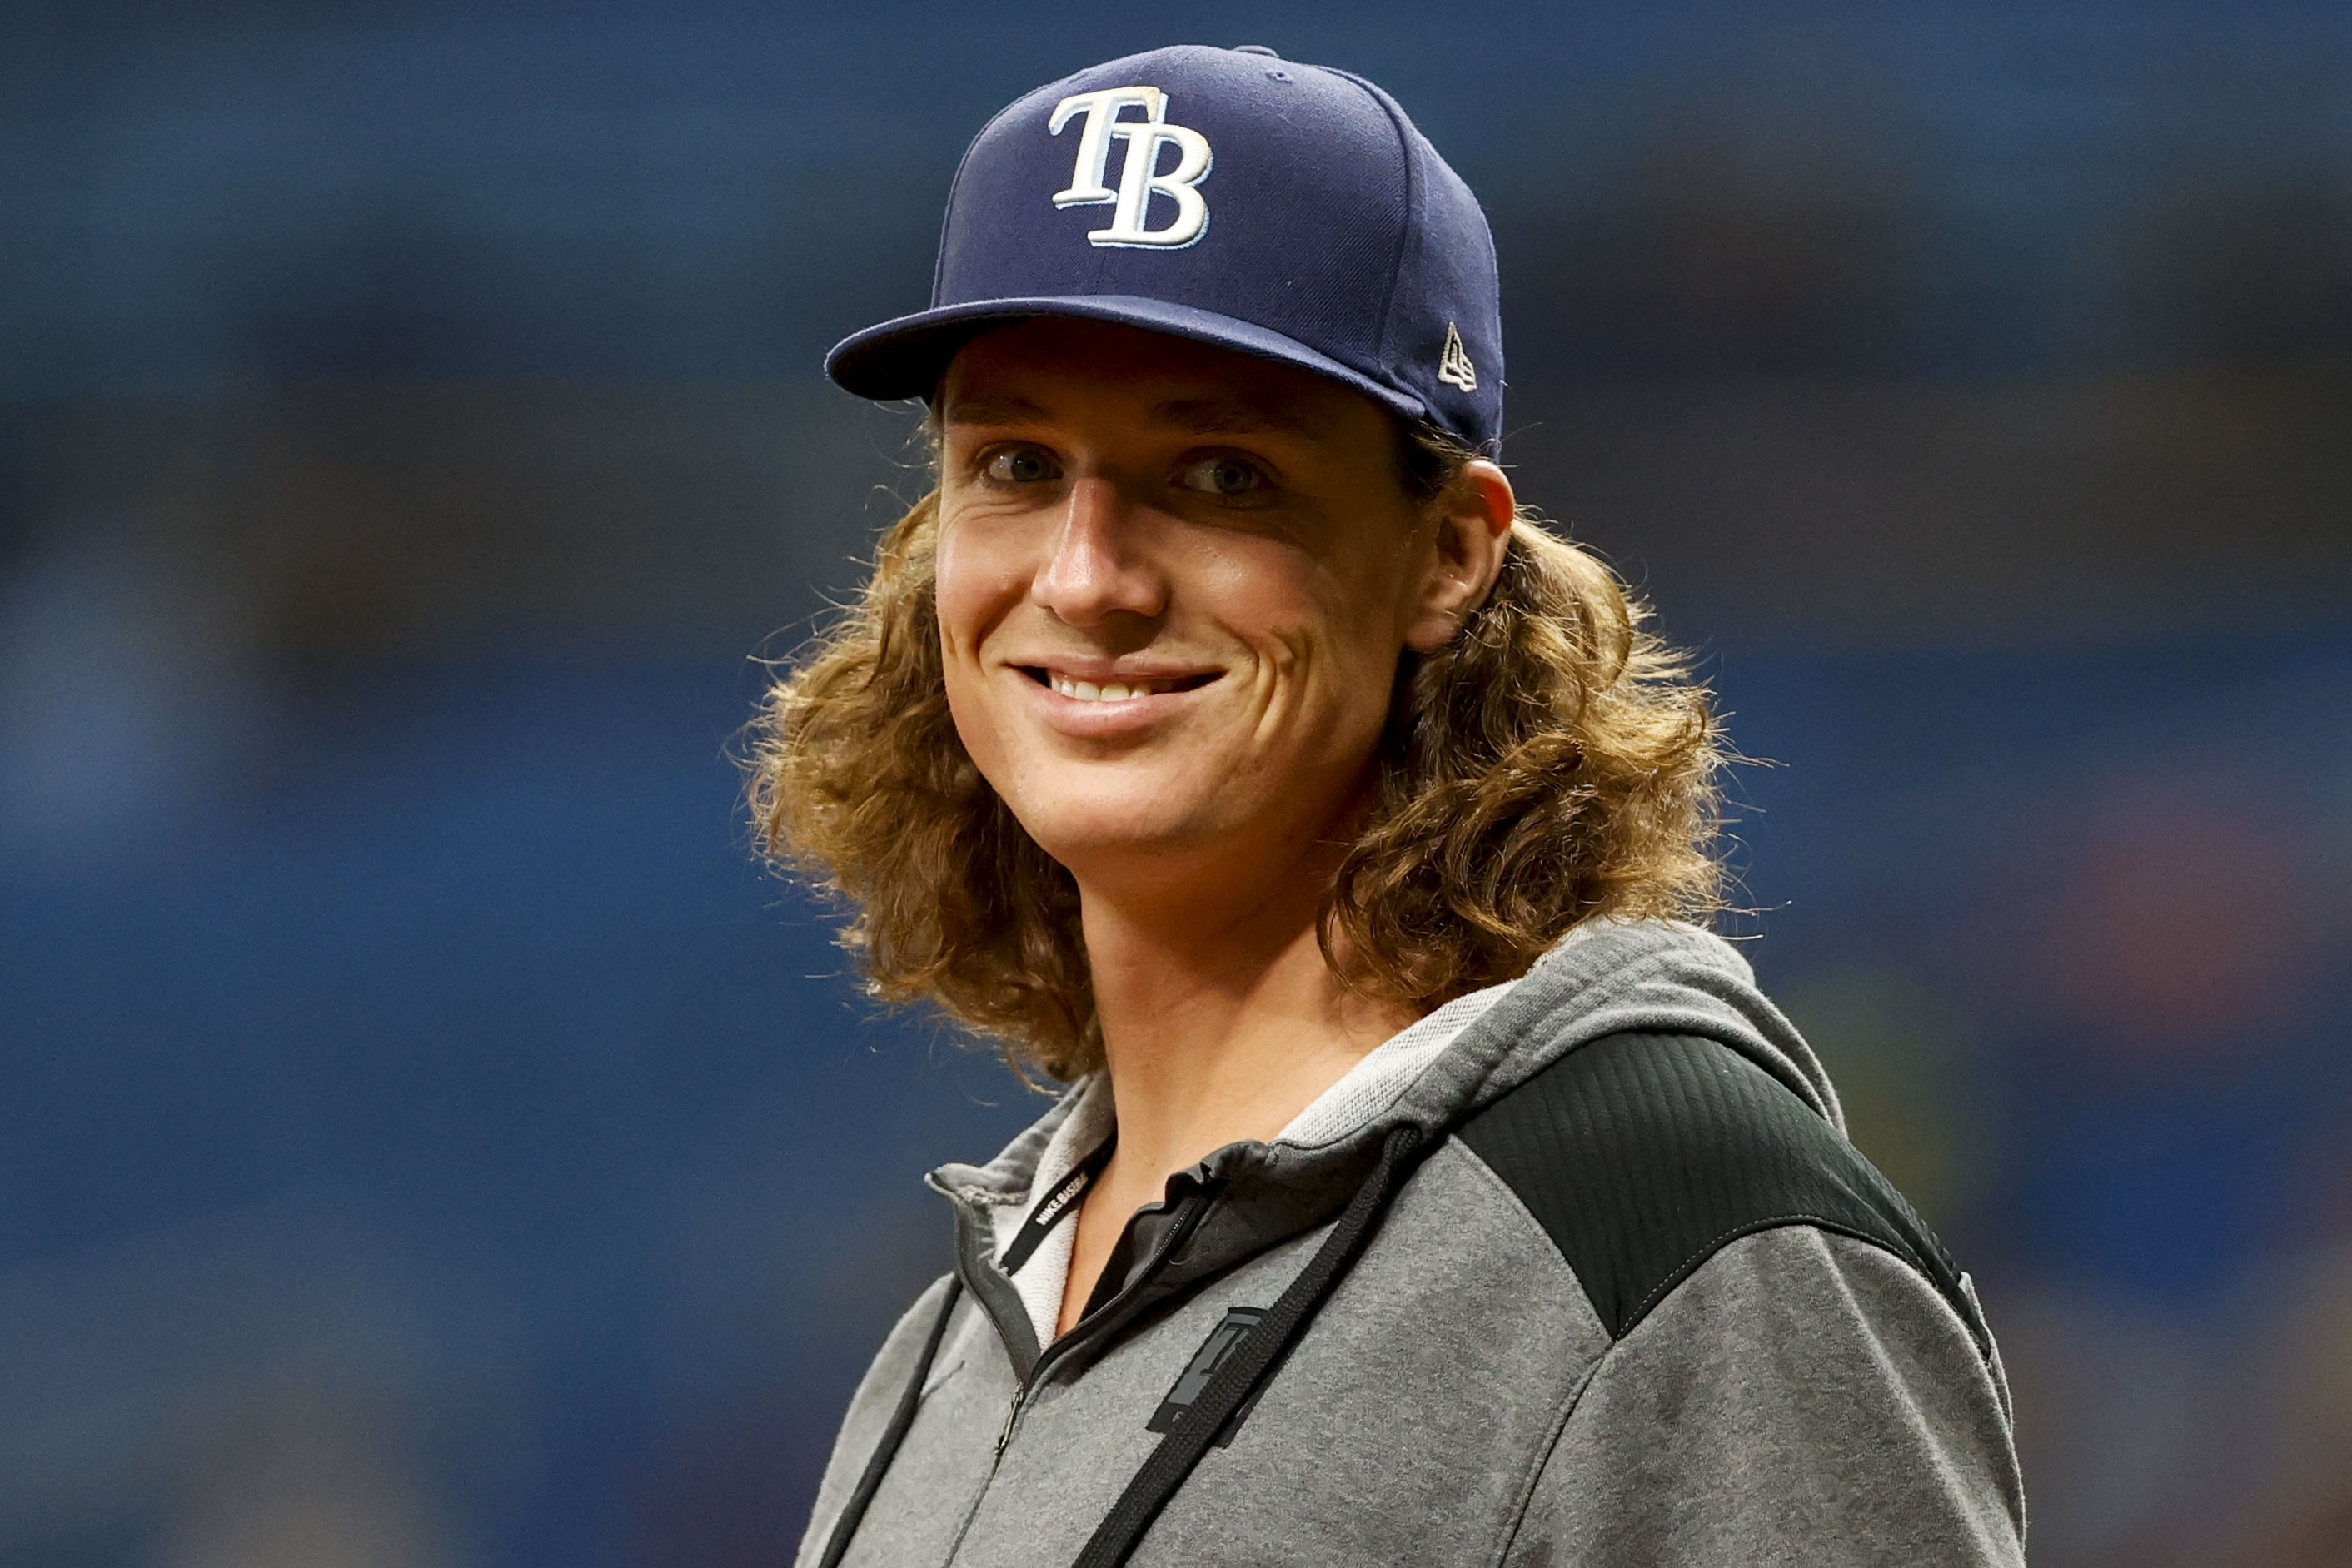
1363	1092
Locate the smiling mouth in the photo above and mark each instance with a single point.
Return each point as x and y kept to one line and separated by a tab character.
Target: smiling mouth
1115	691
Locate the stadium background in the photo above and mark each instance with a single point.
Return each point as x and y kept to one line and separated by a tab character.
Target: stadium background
427	1138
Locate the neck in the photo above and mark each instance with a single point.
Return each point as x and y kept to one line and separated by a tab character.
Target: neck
1220	1023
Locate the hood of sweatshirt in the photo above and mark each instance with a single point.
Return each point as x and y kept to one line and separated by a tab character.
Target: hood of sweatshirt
1605	977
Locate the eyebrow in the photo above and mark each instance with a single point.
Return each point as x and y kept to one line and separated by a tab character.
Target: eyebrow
1196	417
1225	416
990	408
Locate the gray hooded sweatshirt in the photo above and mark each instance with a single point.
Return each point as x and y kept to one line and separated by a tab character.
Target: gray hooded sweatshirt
1637	1301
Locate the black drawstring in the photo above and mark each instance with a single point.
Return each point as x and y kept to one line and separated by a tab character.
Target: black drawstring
1248	1366
893	1435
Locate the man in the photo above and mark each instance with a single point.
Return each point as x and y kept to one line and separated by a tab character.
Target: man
1219	737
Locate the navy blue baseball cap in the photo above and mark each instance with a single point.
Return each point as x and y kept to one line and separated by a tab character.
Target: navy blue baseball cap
1288	211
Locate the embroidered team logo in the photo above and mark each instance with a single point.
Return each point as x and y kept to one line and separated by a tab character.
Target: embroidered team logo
1140	175
1453	366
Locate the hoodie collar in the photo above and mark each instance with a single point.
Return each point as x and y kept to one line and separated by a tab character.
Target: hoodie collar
1605	977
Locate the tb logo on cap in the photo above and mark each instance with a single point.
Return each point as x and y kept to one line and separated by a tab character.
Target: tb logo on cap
1138	177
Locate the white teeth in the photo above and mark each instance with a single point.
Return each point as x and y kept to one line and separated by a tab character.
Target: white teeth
1108	692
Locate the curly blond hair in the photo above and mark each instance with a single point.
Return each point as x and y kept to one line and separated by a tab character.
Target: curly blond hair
1551	763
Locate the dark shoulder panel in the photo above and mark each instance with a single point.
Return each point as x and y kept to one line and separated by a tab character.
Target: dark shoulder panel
1644	1155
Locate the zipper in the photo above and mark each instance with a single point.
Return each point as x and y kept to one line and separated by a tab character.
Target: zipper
1196	1208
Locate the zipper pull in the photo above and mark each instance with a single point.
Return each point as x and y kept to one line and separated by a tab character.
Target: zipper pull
1012	1414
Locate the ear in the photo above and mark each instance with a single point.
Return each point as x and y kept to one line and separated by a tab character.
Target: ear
1473	528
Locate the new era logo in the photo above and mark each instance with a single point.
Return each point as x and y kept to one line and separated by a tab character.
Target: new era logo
1453	366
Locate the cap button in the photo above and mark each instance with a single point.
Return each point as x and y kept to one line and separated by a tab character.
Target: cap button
1255	49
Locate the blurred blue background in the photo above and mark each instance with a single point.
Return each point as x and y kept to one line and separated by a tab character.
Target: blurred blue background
427	1137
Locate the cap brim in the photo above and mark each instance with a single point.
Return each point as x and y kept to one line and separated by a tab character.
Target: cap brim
905	358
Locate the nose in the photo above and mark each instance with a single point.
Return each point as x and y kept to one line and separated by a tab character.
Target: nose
1096	568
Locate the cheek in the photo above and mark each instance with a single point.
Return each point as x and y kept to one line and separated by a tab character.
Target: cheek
989	740
968	586
1330	655
1355	599
975	585
982	569
1355	637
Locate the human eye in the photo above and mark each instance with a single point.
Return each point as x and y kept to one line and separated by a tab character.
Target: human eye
1226	476
1019	465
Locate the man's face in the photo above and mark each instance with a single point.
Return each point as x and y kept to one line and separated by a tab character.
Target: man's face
1173	583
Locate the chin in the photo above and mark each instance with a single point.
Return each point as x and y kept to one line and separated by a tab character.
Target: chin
1075	839
1102	827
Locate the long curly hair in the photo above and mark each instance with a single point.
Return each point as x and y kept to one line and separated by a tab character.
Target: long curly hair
1552	763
